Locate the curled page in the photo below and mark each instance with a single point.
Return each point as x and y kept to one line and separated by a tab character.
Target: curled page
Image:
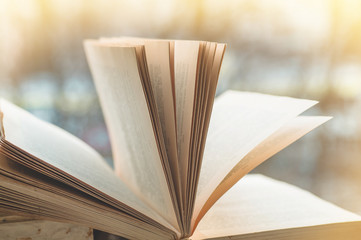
240	121
127	114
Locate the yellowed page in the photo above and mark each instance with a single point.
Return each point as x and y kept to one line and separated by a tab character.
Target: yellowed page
259	204
158	59
135	151
158	56
239	122
158	63
208	106
41	196
284	136
68	154
185	71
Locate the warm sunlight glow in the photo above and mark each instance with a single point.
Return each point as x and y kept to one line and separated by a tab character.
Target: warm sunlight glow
299	48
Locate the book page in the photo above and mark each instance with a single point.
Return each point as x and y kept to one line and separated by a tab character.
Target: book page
207	107
239	122
158	59
136	155
284	136
259	204
67	155
154	58
185	71
27	191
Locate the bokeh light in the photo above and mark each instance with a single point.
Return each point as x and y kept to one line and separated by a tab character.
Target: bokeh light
299	48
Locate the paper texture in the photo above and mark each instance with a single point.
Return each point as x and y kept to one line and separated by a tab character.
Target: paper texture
136	154
258	203
240	121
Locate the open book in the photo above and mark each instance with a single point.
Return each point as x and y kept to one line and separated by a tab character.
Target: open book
173	159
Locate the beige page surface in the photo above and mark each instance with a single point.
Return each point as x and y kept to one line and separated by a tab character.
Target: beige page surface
185	70
257	204
284	136
239	122
66	153
135	150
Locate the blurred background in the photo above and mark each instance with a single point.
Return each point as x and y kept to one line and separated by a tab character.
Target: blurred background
299	48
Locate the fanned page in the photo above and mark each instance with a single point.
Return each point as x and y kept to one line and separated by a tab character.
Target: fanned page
157	97
240	121
196	71
258	207
280	139
183	76
125	105
208	78
158	59
29	192
58	154
158	56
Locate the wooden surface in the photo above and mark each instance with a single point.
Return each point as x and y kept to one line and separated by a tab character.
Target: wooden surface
25	228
